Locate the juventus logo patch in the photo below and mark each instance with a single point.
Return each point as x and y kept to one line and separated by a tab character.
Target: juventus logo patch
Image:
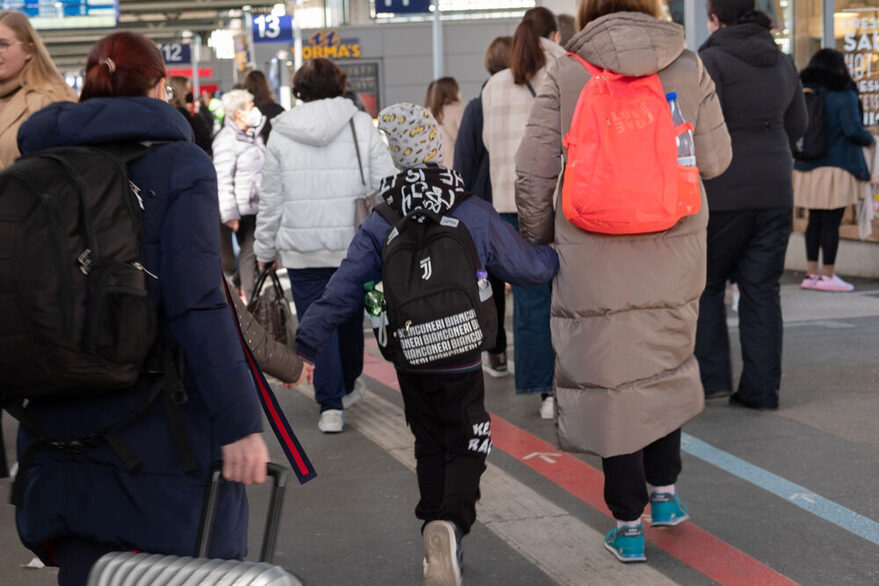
426	269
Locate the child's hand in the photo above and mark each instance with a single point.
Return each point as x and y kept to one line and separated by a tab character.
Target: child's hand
304	375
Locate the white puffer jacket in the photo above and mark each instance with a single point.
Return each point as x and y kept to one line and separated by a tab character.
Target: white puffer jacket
238	159
310	180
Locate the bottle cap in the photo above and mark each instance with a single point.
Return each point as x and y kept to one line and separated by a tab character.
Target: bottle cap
481	274
671	96
369	286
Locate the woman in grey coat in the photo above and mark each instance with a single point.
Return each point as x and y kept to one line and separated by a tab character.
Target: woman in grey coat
238	157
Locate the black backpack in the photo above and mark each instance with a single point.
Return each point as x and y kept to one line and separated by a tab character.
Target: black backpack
813	144
74	310
435	314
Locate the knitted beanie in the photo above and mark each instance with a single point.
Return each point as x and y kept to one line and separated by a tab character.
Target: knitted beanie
413	135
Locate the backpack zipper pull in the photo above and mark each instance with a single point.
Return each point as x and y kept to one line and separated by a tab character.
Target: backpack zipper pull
140	267
85	261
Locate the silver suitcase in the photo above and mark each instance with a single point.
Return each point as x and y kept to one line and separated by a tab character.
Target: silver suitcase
125	568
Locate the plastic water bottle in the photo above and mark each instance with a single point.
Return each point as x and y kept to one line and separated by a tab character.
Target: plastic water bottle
483	284
373	307
373	299
684	141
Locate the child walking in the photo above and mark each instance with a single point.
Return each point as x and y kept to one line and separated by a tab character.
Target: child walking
443	400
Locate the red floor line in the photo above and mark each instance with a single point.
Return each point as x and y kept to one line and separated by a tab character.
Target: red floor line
702	551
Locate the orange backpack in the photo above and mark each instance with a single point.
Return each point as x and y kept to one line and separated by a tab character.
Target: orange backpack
622	174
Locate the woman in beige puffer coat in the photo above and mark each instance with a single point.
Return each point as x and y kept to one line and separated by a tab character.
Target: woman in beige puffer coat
624	308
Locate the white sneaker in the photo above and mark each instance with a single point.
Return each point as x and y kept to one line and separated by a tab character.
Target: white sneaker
331	421
355	395
547	408
441	546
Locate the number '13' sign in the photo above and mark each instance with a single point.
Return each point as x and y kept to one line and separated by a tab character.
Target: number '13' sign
272	29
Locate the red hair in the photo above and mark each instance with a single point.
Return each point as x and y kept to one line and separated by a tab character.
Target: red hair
123	64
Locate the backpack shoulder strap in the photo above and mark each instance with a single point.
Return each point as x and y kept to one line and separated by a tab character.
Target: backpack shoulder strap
128	152
388	213
592	69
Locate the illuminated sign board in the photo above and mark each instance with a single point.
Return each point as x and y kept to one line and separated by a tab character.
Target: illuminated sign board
329	45
857	38
403	6
272	29
67	14
176	53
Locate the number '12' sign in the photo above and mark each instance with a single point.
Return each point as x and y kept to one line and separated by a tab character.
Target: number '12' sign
177	53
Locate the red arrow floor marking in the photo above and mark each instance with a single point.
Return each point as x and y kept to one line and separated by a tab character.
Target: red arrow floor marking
702	551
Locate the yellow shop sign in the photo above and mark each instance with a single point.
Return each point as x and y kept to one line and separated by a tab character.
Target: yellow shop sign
330	45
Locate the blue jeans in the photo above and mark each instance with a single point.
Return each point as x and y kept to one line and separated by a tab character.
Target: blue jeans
340	361
532	342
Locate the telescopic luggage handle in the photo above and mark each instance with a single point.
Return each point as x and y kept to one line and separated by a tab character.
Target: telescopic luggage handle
273	520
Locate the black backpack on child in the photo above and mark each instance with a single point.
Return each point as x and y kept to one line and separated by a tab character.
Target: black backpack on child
435	314
74	309
813	145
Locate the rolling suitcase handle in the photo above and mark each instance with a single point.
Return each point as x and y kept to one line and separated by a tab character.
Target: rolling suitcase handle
273	520
126	568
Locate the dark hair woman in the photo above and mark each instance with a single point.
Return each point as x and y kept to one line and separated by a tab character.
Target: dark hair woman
751	203
312	175
444	102
319	79
471	161
257	84
77	507
181	98
507	100
826	186
624	306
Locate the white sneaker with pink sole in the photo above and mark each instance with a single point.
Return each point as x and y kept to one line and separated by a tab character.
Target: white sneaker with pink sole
833	283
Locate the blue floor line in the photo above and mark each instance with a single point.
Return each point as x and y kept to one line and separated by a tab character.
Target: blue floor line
789	491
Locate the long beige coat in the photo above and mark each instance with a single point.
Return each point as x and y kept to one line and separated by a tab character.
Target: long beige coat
16	106
624	308
452	115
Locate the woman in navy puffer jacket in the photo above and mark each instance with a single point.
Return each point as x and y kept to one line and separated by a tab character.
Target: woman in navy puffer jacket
73	511
826	186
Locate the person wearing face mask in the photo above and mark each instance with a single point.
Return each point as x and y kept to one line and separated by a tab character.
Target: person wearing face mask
238	157
28	80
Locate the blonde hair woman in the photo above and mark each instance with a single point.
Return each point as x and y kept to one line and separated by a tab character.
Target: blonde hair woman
624	307
29	80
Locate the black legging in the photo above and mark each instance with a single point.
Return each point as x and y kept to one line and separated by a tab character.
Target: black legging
823	232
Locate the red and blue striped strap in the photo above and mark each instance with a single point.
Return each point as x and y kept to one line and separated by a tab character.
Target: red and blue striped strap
297	457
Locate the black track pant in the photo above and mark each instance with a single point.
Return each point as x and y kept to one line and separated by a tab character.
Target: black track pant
626	477
823	233
500	304
752	244
447	416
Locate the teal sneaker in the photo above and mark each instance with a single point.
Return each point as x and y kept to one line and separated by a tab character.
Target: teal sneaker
666	510
626	543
